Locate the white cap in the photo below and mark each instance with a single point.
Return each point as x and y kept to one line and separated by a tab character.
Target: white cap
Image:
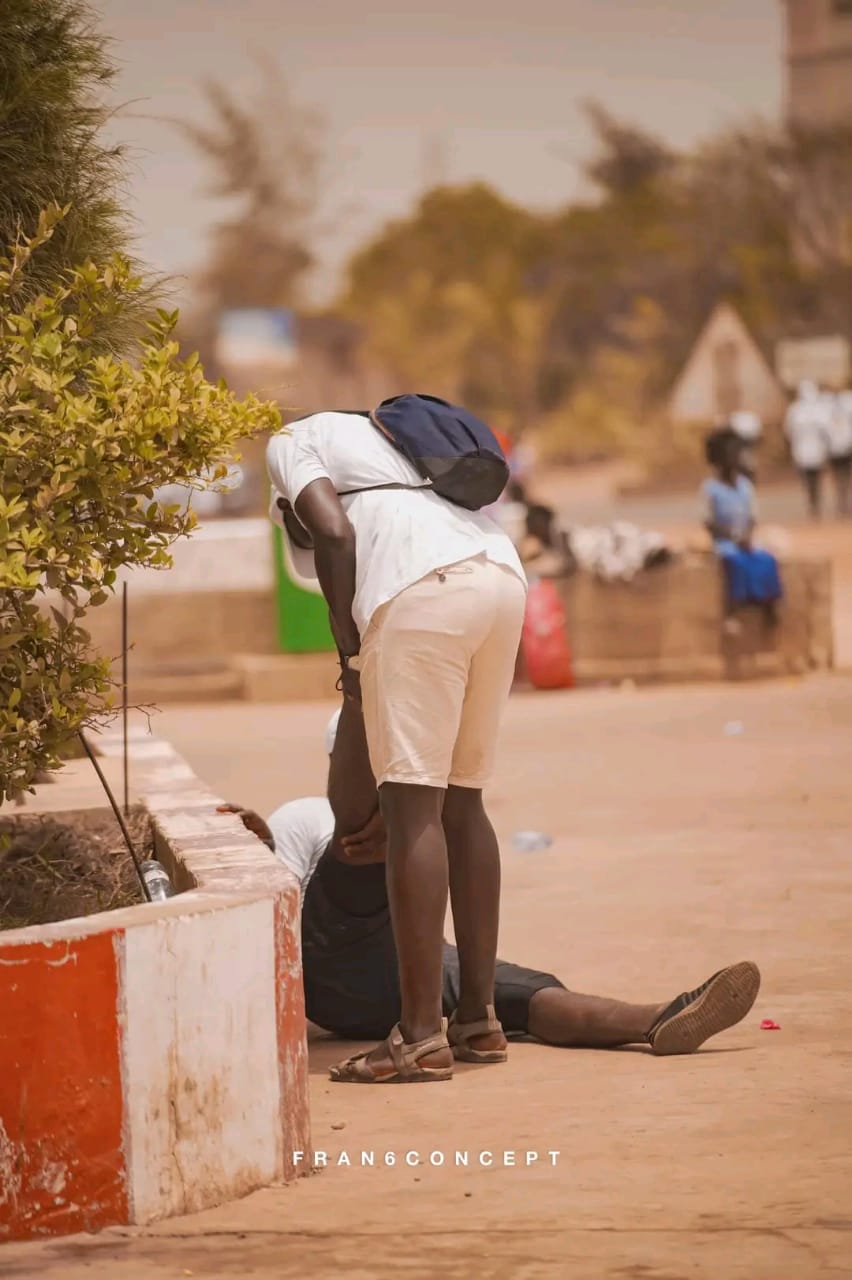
746	424
331	732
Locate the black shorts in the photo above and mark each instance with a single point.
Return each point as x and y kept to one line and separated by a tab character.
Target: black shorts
350	966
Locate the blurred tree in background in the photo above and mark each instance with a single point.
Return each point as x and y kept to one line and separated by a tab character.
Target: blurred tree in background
578	322
446	302
574	323
264	160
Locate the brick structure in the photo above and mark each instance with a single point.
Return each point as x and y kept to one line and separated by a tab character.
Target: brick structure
153	1060
665	626
819	61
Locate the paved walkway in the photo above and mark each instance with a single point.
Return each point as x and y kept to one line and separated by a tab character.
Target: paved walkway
692	827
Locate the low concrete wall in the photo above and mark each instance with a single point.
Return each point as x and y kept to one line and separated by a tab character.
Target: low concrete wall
666	625
153	1060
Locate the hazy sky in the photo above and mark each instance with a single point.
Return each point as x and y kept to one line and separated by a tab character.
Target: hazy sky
458	89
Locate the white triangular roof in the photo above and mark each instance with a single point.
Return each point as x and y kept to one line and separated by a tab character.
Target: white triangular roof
695	396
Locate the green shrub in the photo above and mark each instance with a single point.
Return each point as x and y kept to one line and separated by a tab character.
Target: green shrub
86	436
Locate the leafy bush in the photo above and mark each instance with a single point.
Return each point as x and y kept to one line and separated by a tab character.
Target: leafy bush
86	436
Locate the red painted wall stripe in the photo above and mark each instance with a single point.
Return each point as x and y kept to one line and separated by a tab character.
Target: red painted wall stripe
62	1165
292	1045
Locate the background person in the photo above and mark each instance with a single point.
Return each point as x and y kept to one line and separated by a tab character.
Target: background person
807	427
840	448
751	574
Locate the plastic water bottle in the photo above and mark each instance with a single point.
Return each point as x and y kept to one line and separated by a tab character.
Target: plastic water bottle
157	879
531	841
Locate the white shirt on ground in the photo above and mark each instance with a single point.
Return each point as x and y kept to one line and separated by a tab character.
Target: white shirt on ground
302	831
807	427
401	535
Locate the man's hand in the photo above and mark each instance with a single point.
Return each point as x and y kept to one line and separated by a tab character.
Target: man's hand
367	845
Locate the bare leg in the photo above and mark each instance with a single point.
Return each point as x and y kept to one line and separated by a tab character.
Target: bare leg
813	488
417	880
679	1026
566	1018
474	862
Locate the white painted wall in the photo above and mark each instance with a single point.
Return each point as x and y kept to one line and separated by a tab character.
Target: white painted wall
201	1059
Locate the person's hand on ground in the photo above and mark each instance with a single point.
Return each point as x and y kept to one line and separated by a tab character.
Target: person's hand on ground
367	845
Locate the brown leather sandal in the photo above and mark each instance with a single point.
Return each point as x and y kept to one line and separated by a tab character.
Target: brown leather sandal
460	1035
405	1057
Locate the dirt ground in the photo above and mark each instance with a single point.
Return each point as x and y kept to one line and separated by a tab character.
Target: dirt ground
56	866
692	827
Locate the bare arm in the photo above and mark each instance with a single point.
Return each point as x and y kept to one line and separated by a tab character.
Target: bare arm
352	790
320	511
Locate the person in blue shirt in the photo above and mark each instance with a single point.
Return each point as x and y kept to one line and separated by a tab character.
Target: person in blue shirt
751	574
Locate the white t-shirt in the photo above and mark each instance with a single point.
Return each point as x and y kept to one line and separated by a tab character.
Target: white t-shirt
302	831
401	535
807	426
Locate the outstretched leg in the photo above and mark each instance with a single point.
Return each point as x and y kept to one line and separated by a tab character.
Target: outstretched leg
590	1022
677	1026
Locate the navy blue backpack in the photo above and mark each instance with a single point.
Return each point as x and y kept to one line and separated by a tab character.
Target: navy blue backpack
456	453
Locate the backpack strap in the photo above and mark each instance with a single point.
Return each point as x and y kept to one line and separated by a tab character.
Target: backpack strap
371	488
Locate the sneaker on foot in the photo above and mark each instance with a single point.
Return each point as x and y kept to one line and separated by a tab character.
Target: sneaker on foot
720	1002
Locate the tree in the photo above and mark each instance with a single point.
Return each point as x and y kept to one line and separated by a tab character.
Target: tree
95	410
85	439
443	297
582	319
54	71
264	159
626	158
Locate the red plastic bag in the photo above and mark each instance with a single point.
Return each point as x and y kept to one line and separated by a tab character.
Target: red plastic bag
544	640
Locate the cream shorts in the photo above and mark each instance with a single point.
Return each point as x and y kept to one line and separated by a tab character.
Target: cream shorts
437	664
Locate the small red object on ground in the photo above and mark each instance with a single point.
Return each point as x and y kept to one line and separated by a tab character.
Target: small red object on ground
768	1024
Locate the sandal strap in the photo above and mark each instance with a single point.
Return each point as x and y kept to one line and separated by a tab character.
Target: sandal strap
356	1065
461	1032
405	1056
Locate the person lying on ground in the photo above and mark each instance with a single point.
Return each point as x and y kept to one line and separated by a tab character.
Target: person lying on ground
336	848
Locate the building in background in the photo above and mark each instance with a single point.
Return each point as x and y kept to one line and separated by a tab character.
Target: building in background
819	61
726	373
